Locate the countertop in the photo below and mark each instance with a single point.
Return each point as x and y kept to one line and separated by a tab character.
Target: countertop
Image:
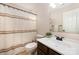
65	47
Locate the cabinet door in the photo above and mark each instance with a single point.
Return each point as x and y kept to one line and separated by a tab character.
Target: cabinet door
52	52
43	48
39	52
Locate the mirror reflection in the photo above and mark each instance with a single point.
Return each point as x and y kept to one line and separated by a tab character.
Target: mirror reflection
65	19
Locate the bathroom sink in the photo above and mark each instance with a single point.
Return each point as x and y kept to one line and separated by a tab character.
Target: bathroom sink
57	43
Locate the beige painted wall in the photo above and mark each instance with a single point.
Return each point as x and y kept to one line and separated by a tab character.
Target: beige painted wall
43	19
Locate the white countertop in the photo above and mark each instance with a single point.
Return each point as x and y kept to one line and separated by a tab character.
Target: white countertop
65	47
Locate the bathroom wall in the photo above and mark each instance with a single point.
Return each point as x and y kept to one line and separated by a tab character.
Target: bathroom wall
43	18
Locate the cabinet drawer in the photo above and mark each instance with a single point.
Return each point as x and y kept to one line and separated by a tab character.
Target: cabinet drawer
42	47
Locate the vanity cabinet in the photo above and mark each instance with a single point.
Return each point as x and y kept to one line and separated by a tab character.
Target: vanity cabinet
44	50
52	52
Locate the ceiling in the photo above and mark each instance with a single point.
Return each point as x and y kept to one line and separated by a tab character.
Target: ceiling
36	7
32	7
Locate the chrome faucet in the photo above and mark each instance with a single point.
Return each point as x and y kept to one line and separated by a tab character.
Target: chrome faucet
59	38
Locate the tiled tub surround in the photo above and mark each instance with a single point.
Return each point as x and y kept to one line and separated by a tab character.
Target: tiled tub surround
65	47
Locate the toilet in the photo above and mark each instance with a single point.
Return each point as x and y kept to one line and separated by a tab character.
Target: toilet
31	47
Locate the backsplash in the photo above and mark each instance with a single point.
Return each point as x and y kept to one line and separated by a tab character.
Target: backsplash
67	35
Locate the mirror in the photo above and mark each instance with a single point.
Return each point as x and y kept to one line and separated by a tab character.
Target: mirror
71	21
68	23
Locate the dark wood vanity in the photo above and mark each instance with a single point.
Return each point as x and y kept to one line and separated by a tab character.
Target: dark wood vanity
44	50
